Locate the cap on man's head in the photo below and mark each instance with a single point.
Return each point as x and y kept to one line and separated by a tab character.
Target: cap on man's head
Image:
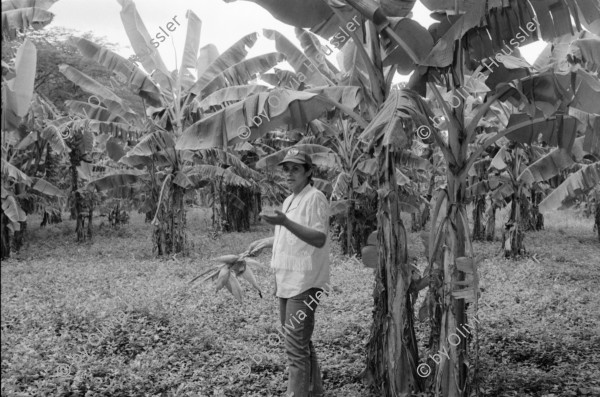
295	156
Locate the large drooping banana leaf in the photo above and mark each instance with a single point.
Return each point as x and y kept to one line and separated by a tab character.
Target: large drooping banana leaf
581	182
113	102
10	5
313	14
45	187
192	42
308	73
94	112
315	51
138	81
19	89
403	113
549	91
12	209
232	56
410	160
397	8
11	172
207	56
253	117
122	131
228	94
357	72
563	157
416	37
153	143
122	178
566	51
489	26
205	173
141	41
547	167
220	157
158	159
349	96
341	186
558	132
282	79
20	15
242	72
331	162
513	23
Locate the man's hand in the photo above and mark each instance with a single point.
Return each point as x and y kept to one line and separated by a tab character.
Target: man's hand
256	246
274	292
278	218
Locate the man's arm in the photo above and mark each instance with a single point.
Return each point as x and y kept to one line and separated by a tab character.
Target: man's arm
307	234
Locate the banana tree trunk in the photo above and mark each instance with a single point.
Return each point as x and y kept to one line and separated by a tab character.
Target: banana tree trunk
18	238
350	222
513	236
84	208
538	217
241	207
478	213
490	227
597	223
5	236
169	229
256	206
451	356
415	222
427	209
392	352
77	201
531	218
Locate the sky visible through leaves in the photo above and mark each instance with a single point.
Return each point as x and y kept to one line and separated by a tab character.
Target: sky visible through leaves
222	24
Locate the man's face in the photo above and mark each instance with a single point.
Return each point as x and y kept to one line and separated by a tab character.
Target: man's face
296	176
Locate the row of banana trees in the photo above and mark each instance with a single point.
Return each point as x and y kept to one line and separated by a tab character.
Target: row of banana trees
516	108
219	123
30	166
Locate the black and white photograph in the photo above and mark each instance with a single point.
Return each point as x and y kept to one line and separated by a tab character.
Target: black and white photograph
300	198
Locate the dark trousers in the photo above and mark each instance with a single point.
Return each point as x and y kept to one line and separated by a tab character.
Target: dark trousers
298	320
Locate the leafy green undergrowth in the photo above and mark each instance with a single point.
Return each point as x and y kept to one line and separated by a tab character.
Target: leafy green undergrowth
106	318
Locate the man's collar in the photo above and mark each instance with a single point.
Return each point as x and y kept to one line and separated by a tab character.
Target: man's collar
303	191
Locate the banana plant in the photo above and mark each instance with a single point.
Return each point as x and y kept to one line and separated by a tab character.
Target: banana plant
173	103
471	34
25	149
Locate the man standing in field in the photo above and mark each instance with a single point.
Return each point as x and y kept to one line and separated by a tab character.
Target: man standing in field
301	265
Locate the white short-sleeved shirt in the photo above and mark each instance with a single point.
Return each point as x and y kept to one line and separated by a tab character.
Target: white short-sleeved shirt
299	266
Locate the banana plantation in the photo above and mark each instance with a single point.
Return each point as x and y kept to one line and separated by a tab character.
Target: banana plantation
464	203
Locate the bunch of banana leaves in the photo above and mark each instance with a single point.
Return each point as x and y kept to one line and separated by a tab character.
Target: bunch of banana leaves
226	275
